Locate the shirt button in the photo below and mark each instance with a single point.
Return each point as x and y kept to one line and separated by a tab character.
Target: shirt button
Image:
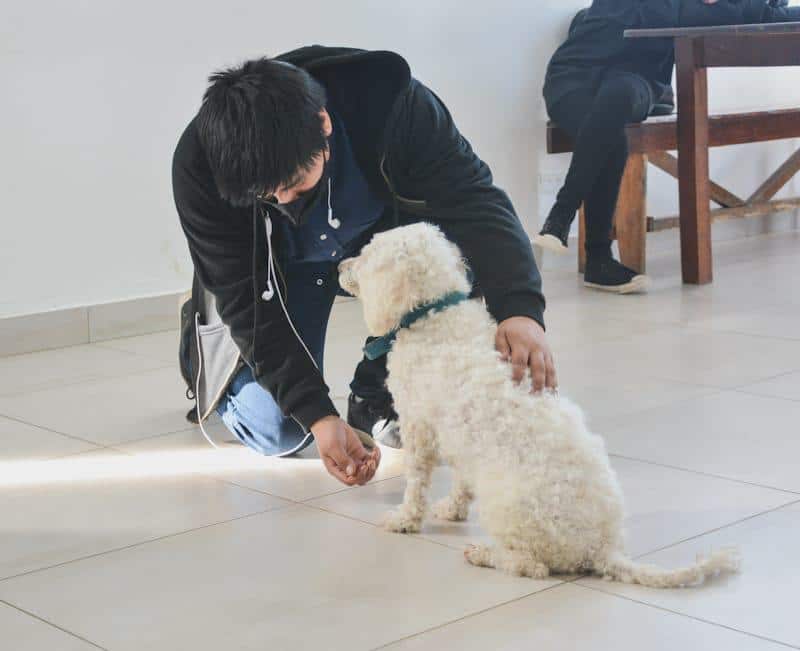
323	237
333	254
319	282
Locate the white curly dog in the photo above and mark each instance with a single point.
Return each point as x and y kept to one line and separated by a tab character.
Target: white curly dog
547	494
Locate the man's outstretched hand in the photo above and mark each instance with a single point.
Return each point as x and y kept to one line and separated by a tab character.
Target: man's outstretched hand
521	341
343	453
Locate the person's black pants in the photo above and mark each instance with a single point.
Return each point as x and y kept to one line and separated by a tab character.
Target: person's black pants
596	118
369	380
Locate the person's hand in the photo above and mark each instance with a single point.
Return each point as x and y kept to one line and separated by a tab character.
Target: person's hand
521	341
343	453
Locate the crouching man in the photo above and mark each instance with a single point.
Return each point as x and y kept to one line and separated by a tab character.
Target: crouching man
291	165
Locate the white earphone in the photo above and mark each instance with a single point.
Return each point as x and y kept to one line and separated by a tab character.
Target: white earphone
269	292
332	221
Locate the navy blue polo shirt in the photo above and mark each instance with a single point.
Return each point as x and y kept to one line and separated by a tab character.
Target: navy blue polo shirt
354	205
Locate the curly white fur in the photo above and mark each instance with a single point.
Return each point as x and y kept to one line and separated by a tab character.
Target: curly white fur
548	496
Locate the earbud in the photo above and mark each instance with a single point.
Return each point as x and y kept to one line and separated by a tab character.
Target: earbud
269	292
332	221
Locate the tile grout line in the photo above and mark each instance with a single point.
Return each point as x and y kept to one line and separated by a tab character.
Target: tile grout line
289	504
109	345
705	474
52	431
148	438
766	379
620	419
372	482
764	395
51	624
231	482
157	365
148	541
575	580
720	528
470	615
412	536
707	330
686	615
209	477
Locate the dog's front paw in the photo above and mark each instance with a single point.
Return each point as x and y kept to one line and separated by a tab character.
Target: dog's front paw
450	509
400	522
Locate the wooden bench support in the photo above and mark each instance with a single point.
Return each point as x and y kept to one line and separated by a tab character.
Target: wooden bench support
779	178
651	142
692	83
732	207
631	215
666	162
655	224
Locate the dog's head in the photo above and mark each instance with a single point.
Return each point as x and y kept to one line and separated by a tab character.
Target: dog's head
401	269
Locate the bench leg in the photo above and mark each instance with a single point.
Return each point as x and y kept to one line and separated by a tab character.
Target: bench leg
582	239
693	181
630	218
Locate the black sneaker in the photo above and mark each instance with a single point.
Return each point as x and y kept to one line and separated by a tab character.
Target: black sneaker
376	417
608	275
555	232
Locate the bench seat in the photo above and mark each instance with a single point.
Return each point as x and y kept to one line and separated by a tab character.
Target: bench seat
650	141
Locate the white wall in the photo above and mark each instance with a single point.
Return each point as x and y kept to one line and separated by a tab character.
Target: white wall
96	94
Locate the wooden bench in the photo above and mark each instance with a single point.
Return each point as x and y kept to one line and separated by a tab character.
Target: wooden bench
651	141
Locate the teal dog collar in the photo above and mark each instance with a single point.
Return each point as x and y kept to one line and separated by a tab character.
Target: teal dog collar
382	345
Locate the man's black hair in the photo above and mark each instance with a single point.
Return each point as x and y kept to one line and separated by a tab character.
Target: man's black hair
259	125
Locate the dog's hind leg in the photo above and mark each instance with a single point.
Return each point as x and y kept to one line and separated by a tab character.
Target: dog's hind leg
512	561
422	454
455	507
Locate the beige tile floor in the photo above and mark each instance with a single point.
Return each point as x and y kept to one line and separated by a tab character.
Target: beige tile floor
120	528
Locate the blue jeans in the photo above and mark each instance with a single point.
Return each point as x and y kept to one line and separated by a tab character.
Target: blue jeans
249	411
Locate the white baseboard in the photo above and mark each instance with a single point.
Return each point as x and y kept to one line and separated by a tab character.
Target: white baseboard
83	325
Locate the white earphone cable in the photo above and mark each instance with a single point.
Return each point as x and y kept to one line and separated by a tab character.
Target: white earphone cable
332	221
272	275
197	381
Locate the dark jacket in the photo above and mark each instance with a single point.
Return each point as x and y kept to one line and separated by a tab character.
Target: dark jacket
596	42
412	156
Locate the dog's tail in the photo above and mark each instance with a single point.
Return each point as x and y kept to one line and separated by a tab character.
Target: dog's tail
621	568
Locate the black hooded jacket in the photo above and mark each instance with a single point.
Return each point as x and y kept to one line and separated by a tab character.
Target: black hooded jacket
413	157
596	43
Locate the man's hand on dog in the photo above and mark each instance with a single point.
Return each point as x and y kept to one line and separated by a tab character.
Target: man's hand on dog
343	453
521	341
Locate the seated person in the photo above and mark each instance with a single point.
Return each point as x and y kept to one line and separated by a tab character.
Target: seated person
596	83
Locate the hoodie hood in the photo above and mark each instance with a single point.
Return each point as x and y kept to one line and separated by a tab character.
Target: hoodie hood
696	13
637	14
363	87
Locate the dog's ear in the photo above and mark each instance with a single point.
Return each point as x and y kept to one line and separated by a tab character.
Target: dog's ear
388	287
389	295
385	309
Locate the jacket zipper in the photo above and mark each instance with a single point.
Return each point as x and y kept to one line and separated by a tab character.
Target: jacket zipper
414	202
